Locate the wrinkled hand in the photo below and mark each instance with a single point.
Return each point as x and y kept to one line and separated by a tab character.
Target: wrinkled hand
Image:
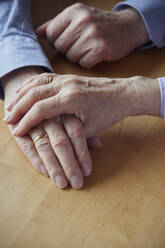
97	102
89	36
62	155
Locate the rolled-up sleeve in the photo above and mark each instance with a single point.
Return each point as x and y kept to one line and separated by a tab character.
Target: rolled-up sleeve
153	15
18	43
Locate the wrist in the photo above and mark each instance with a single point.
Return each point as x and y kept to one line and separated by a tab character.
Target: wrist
135	25
120	97
146	99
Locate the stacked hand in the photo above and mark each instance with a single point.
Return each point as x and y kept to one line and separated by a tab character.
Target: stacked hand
62	154
97	102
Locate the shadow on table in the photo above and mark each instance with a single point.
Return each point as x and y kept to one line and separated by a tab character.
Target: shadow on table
144	63
129	148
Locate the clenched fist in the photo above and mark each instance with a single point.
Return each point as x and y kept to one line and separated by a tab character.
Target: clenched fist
89	36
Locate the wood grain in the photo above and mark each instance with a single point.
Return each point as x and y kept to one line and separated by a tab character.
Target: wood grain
122	203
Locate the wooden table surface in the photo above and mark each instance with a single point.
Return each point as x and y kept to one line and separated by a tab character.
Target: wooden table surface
122	204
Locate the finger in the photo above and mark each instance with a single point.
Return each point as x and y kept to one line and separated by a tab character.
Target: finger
43	110
90	59
64	152
75	55
41	30
28	148
48	157
79	48
57	26
67	38
75	132
83	45
27	82
94	142
37	81
33	95
41	78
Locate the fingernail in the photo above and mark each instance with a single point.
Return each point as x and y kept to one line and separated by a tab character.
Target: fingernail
6	118
61	182
87	169
9	107
15	132
76	182
43	170
18	89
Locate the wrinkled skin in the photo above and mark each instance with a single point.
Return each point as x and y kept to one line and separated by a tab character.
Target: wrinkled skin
89	36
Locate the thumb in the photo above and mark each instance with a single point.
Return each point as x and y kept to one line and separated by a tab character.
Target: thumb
41	30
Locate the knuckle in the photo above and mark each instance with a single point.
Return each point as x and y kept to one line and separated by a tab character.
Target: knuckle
20	95
74	8
45	75
38	108
103	46
59	142
49	33
54	171
43	145
78	5
94	31
73	82
60	45
70	78
26	147
74	79
86	16
75	132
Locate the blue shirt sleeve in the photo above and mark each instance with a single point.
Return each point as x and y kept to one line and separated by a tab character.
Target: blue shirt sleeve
153	14
18	43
